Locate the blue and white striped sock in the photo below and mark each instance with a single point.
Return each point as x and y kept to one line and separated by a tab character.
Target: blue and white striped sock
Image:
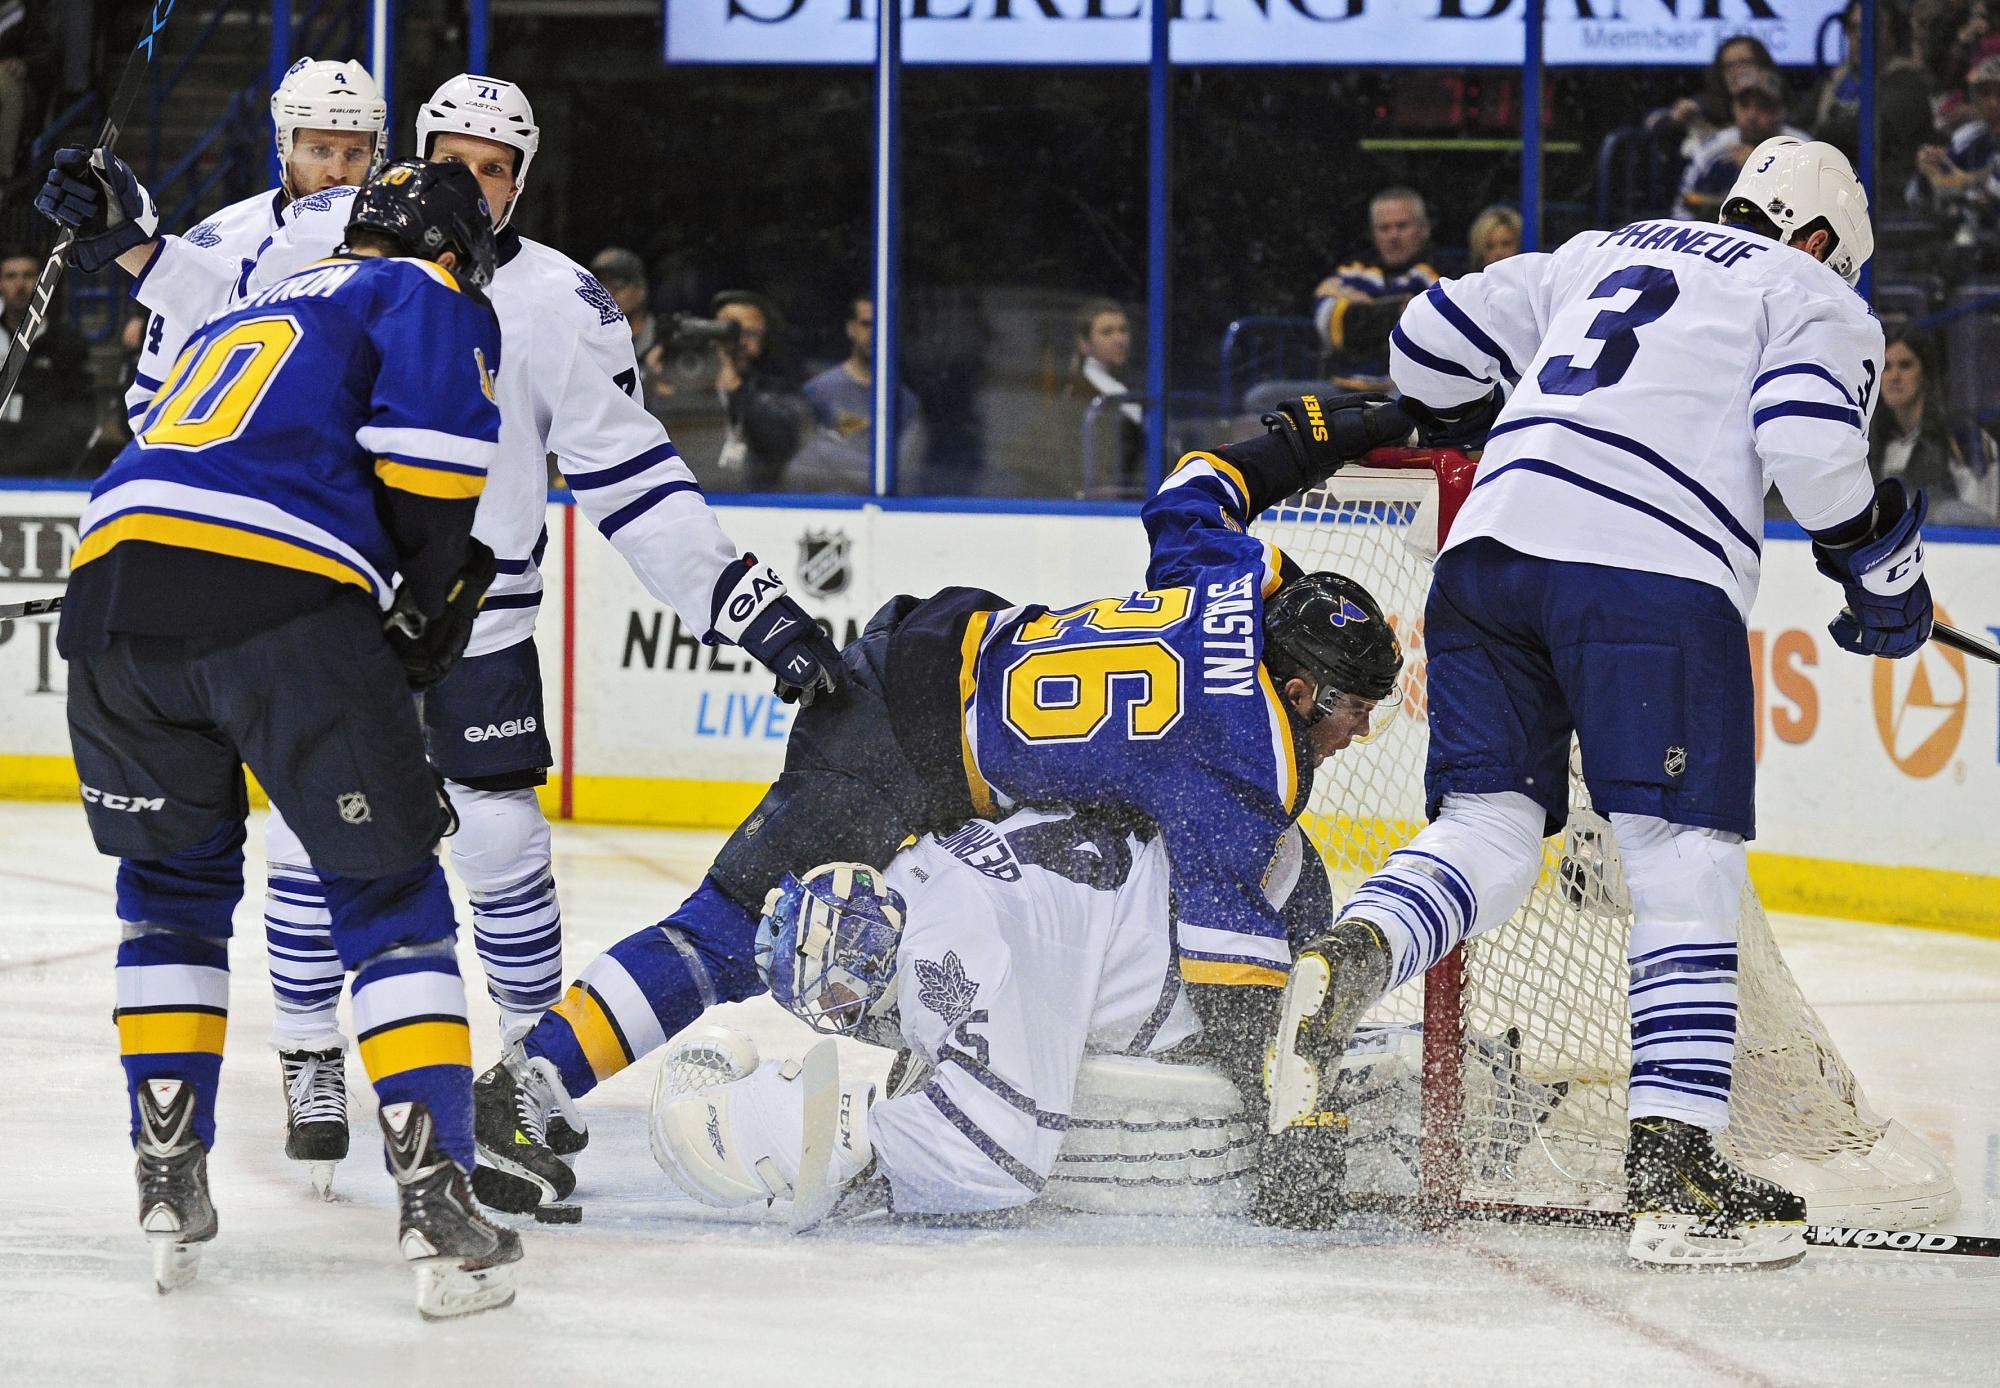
1423	906
518	931
1683	992
306	974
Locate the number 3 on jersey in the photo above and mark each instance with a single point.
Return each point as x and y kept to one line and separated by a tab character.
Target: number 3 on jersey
207	399
1617	329
1065	693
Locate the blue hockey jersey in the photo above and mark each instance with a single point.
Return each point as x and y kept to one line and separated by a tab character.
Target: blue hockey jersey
1159	701
314	440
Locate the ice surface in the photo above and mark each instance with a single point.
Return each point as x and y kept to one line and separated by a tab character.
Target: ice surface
651	1289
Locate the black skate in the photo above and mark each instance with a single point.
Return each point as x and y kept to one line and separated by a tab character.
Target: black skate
174	1208
1336	979
1691	1208
316	1111
564	1140
519	1171
464	1262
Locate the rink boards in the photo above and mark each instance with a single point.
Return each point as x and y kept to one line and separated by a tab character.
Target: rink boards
1878	782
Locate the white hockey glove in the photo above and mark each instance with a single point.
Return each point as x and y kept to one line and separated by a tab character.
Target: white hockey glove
753	610
95	194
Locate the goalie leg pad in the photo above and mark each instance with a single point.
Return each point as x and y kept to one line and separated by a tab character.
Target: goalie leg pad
739	1143
1147	1137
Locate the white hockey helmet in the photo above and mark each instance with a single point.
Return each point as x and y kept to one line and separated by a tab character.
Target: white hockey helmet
491	109
1799	184
318	94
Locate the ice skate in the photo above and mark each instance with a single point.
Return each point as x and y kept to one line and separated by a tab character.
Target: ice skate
562	1137
463	1261
1691	1208
519	1171
316	1111
174	1208
1337	978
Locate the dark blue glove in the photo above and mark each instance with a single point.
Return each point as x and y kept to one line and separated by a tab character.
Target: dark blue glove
1463	427
753	610
1888	609
108	208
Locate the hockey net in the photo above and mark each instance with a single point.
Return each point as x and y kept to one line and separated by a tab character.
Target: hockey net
1524	1032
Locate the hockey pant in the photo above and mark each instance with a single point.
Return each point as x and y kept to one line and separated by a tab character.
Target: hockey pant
1472	869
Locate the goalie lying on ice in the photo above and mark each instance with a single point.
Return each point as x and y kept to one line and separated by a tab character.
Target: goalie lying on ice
1016	963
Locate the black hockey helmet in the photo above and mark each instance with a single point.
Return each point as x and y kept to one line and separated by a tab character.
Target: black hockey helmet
1327	628
427	209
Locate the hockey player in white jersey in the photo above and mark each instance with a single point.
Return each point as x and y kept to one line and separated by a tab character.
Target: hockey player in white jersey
997	955
1656	381
569	387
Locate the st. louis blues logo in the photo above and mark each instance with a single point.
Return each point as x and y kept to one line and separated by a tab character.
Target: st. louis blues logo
1348	611
825	562
944	988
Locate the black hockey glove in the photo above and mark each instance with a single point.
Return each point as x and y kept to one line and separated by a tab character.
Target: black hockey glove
753	610
430	644
1302	1174
1879	559
1322	432
1463	427
105	205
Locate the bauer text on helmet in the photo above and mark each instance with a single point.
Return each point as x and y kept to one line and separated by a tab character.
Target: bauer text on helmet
487	109
1797	187
330	98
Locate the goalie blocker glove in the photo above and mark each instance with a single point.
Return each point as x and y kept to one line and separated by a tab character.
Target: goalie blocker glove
1878	558
753	610
428	645
97	196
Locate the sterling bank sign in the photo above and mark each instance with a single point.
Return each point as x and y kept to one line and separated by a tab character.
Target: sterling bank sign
1357	32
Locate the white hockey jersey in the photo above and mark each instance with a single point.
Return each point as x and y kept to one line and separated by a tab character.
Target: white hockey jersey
1661	377
199	286
568	386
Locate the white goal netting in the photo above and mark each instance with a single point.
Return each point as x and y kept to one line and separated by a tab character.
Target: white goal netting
1532	1031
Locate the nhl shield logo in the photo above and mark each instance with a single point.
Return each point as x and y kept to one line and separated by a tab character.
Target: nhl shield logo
353	807
1677	760
825	564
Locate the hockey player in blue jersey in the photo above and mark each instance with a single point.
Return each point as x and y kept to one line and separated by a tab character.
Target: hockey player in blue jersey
1656	381
232	603
1203	703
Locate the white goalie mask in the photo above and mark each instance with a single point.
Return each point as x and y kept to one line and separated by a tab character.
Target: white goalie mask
318	94
1799	182
491	109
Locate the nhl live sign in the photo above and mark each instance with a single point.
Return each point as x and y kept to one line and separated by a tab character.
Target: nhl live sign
1349	32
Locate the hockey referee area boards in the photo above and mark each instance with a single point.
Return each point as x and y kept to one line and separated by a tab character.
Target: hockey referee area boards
1876	779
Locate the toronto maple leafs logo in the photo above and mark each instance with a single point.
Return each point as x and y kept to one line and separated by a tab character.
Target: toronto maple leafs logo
322	200
944	988
599	298
204	235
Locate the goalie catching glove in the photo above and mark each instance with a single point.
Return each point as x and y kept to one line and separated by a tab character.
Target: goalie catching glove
96	195
1879	559
429	644
753	610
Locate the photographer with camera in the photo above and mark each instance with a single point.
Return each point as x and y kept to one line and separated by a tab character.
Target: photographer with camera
765	413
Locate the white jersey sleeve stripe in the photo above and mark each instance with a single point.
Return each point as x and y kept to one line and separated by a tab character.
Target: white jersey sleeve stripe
586	479
1802	369
1639	450
1471	331
1806	409
631	511
1430	361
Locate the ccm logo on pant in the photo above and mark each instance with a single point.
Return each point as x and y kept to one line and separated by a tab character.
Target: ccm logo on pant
513	727
133	803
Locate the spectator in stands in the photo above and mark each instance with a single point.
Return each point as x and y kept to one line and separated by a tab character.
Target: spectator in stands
623	276
1835	112
1911	436
840	455
1357	306
1963	175
44	424
1495	235
766	415
1098	368
28	70
1692	121
1757	101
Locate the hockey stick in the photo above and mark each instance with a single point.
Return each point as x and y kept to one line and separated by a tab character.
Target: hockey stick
1902	1241
122	97
814	1194
1966	644
34	607
1817	1235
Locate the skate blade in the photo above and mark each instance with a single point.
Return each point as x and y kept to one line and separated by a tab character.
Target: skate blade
174	1263
322	1178
510	1187
1291	1080
446	1290
1670	1242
